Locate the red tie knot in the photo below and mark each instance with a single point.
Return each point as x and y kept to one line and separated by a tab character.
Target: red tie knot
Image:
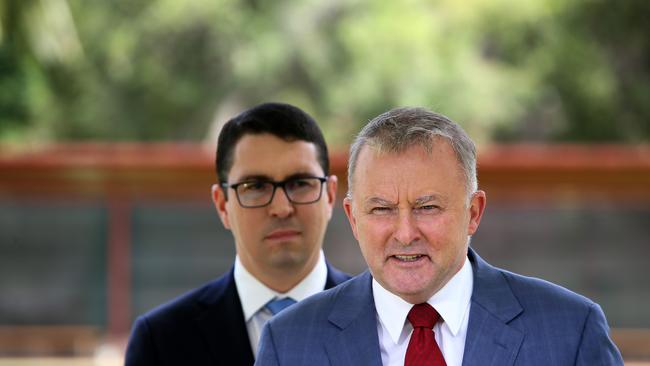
423	316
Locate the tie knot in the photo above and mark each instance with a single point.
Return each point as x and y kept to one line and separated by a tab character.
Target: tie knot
277	305
423	316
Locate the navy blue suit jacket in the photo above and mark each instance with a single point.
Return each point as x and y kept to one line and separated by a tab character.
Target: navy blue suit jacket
203	327
514	320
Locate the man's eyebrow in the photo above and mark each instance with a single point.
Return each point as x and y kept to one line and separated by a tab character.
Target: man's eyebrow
266	178
256	177
428	198
379	201
302	175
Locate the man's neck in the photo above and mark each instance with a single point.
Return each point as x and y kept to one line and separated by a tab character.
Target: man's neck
254	294
282	279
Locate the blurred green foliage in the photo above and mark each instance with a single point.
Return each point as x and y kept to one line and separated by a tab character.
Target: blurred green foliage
508	70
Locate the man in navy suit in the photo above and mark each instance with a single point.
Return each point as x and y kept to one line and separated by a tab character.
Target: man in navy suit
276	196
429	299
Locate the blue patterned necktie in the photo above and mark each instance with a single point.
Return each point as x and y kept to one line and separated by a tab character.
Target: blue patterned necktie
277	305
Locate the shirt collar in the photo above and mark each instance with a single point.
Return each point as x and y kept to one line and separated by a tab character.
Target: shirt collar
254	294
451	302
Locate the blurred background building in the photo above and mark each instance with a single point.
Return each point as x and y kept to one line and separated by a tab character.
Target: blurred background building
109	113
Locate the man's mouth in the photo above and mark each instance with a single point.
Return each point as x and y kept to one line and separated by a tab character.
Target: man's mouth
408	258
282	234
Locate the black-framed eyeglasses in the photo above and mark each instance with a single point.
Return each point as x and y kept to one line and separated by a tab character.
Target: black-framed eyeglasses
260	193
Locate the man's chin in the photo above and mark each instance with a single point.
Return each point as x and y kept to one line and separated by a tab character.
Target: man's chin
286	259
413	289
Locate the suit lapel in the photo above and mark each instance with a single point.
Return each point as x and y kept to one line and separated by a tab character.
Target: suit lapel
221	319
222	324
353	314
491	340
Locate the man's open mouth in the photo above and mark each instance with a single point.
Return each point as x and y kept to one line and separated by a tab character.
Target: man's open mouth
408	258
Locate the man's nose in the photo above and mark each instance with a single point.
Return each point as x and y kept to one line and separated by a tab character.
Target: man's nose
406	231
280	205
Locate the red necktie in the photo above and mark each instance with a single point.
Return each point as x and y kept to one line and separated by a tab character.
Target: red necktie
423	349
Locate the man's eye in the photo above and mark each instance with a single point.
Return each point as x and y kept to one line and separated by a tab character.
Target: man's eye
300	183
254	186
381	210
427	209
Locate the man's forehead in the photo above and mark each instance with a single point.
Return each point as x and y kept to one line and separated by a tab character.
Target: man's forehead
294	169
370	154
266	156
414	174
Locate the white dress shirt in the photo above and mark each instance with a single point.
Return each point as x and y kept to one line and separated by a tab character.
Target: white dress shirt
452	303
254	295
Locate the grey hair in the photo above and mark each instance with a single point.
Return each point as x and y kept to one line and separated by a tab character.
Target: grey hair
401	128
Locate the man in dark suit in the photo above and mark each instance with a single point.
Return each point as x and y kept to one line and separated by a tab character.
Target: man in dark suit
276	196
429	299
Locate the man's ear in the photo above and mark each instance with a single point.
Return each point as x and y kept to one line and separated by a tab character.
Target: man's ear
332	186
476	207
349	212
330	194
219	200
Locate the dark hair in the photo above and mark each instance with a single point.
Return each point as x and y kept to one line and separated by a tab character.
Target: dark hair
282	120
